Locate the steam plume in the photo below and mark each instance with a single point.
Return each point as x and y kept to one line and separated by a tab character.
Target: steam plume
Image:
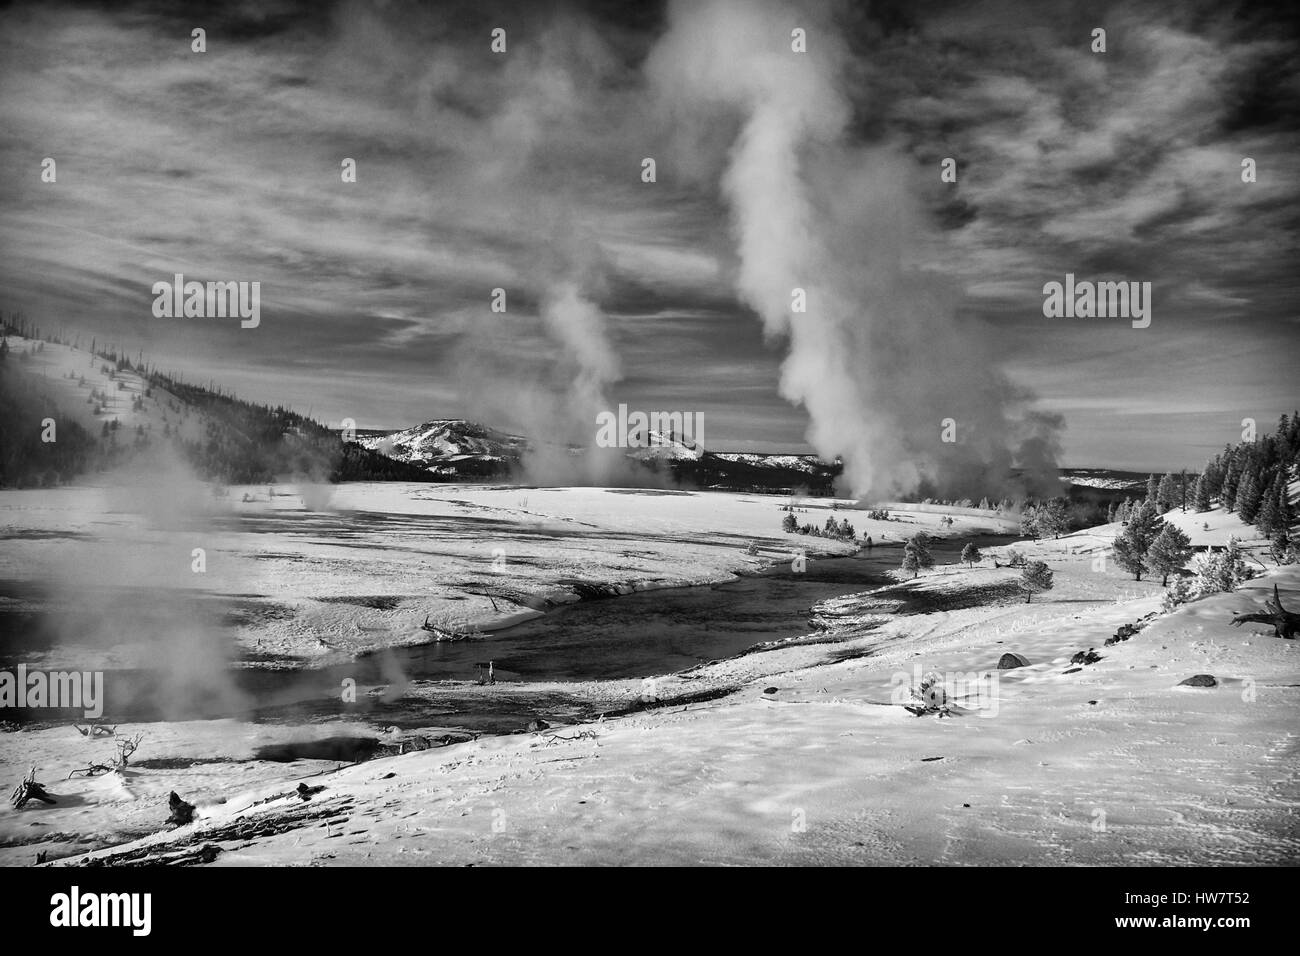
880	358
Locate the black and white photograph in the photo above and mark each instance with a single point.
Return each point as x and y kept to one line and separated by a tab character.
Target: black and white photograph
682	433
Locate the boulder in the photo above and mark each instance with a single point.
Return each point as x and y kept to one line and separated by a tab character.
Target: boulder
1010	661
1200	680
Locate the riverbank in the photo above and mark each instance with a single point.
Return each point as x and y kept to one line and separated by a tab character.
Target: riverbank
164	574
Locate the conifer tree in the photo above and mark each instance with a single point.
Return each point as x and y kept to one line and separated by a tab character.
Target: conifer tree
1035	577
1132	545
970	554
1166	493
916	554
1168	552
1231	478
1249	496
1201	493
1266	518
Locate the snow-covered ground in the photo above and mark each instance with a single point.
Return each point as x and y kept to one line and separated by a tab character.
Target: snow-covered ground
808	757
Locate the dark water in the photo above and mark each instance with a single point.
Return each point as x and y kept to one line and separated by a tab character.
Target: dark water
637	635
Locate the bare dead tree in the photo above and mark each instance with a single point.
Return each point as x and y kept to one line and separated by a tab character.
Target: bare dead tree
29	789
1285	623
125	748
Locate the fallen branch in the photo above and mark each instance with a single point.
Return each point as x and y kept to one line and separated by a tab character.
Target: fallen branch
91	770
96	730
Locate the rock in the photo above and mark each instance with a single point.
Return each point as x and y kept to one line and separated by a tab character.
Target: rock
1009	661
1074	670
1090	656
769	690
181	812
1123	634
1200	680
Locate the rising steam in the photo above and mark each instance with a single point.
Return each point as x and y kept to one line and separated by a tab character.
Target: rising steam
880	357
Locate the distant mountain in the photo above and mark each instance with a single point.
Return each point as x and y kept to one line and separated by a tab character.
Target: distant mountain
459	450
654	446
452	448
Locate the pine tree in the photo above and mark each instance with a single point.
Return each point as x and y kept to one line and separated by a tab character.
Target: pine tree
1249	496
1052	518
1167	493
1153	488
1280	547
916	554
1266	518
1036	576
1214	472
1168	552
1201	494
1132	545
911	562
970	554
788	523
1231	478
1284	514
1110	513
1029	522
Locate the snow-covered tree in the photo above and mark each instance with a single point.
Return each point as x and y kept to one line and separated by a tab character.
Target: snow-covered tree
1223	571
916	554
1029	522
1053	518
971	554
1178	593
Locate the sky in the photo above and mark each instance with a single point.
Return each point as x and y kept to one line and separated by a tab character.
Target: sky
523	170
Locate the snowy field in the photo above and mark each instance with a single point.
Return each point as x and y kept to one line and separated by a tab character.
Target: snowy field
801	753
